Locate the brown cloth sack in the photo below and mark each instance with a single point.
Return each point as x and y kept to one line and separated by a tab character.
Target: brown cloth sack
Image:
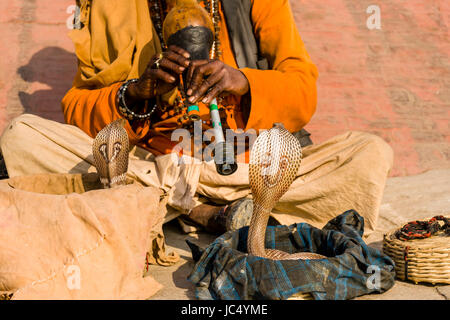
60	238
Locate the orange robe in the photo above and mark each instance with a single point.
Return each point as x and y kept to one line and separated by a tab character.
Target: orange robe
286	93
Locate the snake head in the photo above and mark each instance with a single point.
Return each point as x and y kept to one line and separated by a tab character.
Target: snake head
110	150
274	162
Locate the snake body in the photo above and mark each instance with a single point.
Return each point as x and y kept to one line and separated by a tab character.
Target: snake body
110	149
274	162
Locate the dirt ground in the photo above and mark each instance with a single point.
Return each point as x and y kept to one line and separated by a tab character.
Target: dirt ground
405	199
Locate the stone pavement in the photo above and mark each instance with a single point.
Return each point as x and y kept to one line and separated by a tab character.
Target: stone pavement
405	199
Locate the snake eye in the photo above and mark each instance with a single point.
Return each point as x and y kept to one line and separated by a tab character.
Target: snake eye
284	163
116	150
266	163
274	170
102	150
117	147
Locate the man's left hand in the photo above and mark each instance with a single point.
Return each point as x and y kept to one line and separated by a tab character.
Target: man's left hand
208	79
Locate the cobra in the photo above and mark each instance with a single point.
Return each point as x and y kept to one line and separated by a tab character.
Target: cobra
110	149
275	160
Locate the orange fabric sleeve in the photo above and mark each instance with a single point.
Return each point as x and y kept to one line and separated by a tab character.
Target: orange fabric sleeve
287	93
93	109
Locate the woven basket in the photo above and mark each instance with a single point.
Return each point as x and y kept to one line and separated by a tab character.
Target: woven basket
420	260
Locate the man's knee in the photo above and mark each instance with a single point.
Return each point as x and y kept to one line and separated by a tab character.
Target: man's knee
16	131
377	146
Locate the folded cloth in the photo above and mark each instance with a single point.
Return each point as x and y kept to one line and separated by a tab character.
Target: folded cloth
226	271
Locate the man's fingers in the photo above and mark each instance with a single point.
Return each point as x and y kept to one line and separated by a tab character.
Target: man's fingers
207	84
162	75
194	65
191	70
214	92
199	74
171	66
177	58
180	51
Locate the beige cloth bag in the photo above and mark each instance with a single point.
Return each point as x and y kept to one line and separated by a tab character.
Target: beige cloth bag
61	238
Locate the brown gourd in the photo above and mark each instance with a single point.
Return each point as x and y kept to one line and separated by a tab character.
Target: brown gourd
185	13
189	26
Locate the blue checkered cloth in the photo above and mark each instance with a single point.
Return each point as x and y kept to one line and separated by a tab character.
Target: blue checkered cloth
225	271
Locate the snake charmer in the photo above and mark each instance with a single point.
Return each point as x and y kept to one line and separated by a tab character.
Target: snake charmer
259	72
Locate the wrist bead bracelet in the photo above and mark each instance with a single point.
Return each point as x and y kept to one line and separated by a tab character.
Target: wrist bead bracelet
123	108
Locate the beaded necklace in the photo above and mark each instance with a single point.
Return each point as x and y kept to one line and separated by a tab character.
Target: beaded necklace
157	13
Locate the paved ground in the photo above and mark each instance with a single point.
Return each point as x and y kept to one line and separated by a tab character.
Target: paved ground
406	198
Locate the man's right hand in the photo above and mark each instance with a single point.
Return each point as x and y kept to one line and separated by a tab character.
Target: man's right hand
158	81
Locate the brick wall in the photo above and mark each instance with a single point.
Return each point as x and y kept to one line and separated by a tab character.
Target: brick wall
393	81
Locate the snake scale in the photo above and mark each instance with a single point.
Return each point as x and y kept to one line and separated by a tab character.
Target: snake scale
274	162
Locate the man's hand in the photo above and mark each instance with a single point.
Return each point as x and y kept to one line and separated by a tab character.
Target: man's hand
159	80
208	79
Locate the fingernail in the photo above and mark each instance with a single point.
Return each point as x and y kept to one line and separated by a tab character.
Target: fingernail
189	92
187	55
172	79
191	99
204	100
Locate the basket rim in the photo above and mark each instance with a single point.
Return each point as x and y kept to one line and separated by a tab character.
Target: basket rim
436	243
